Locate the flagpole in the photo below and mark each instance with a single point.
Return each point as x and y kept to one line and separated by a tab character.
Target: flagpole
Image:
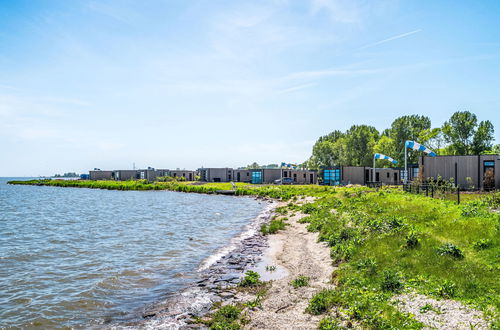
406	165
373	176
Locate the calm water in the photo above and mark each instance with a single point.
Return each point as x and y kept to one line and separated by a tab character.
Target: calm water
79	257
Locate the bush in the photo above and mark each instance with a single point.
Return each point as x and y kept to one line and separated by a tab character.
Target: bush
251	279
329	323
449	249
321	302
391	281
300	281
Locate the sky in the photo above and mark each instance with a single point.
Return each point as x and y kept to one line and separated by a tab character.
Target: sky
185	84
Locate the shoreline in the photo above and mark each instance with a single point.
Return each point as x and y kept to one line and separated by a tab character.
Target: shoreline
219	272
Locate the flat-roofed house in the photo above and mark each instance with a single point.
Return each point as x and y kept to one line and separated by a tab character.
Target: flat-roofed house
221	174
188	174
360	175
471	172
100	175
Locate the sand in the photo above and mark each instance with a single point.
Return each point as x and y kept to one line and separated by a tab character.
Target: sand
294	251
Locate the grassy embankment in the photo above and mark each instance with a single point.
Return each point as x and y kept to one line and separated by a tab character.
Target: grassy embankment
385	243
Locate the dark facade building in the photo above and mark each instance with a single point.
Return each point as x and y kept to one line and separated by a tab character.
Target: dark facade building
470	172
124	175
223	174
100	175
257	176
343	175
189	175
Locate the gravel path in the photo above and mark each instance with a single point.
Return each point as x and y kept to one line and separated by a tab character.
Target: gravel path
441	314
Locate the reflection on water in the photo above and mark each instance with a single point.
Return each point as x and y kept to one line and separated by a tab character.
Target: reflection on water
75	257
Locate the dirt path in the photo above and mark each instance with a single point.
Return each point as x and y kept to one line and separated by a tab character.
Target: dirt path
299	252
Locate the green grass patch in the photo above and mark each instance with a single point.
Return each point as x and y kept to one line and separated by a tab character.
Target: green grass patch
273	227
300	281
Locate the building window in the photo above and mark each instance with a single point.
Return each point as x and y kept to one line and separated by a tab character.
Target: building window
304	175
257	177
331	177
388	175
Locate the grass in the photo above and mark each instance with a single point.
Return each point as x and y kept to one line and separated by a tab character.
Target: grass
387	242
300	281
273	227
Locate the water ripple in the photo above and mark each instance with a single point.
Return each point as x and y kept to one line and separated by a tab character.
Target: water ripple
82	257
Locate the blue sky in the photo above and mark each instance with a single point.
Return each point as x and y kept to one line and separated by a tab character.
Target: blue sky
184	84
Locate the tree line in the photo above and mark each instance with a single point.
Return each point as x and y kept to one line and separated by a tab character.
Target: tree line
462	134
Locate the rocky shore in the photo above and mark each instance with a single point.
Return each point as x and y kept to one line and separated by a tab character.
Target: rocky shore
223	272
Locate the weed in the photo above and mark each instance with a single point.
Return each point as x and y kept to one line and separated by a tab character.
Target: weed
391	281
482	244
428	307
367	264
270	268
449	249
412	240
300	281
329	323
447	289
226	318
322	301
257	301
273	227
251	279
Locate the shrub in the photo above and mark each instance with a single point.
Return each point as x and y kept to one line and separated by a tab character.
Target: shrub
391	281
449	249
482	244
329	323
321	302
251	279
300	281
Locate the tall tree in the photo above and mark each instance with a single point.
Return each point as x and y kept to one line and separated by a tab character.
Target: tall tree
359	143
385	145
407	128
465	136
483	138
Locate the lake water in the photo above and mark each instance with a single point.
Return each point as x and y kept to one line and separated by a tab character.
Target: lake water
74	257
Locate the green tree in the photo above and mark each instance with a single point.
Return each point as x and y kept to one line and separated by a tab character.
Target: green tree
327	150
465	136
325	154
385	145
252	166
483	138
407	128
358	146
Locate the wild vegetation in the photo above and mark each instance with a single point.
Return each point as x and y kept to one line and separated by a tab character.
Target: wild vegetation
388	242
